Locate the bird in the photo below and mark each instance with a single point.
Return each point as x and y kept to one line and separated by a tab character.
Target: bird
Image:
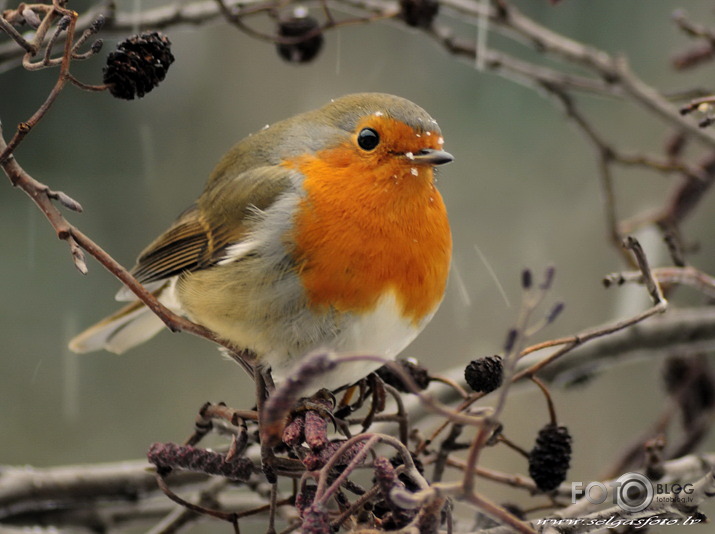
321	232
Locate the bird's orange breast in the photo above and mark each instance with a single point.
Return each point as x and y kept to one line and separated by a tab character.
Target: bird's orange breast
366	228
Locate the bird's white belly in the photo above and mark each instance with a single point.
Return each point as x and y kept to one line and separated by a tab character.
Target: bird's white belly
384	332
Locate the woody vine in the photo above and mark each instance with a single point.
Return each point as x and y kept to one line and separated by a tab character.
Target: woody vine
320	455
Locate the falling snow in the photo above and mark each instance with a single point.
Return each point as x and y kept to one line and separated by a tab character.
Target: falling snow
409	155
414	171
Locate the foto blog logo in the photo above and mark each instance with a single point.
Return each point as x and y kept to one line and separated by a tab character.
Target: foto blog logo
631	492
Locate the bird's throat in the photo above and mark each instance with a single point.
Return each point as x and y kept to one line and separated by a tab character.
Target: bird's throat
384	228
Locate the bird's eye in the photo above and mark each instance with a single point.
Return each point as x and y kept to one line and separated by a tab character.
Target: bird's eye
368	139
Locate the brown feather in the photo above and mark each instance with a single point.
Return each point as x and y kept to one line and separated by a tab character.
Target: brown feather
189	244
199	237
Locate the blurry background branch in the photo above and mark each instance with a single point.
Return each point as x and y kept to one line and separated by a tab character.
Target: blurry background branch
84	498
600	72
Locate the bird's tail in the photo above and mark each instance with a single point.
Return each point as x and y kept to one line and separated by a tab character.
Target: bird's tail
128	327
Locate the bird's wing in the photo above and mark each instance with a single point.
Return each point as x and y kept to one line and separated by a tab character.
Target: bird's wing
200	236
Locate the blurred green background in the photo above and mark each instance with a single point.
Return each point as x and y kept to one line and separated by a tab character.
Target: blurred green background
523	192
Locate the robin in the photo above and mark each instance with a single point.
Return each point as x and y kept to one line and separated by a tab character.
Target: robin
322	231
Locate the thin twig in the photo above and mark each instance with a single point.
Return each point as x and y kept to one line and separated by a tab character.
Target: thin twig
547	395
688	276
17	37
659	306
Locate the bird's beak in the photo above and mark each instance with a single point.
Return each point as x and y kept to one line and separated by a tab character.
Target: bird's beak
430	156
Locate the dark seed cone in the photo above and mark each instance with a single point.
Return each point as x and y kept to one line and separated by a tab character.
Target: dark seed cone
302	51
485	374
549	459
138	65
419	13
418	373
